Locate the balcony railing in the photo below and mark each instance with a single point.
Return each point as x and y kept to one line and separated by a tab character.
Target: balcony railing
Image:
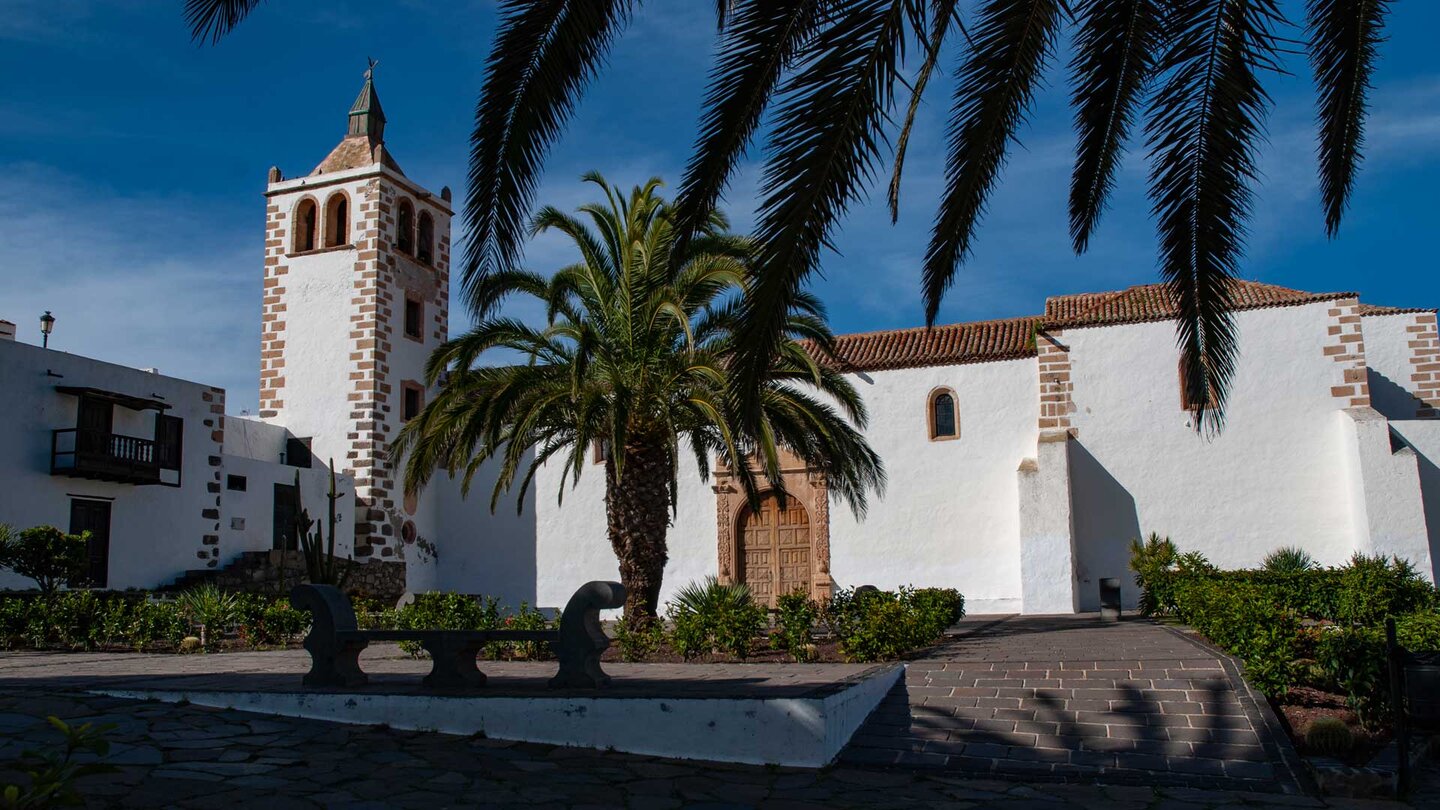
81	453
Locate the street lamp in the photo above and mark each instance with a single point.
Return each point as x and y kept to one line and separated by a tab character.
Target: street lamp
47	325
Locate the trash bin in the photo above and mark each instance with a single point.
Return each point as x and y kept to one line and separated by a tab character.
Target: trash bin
1110	599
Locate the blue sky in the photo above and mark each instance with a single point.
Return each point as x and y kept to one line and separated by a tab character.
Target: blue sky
132	164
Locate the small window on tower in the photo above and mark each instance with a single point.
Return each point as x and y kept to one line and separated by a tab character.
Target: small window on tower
412	399
405	227
426	248
235	483
337	220
414	318
305	221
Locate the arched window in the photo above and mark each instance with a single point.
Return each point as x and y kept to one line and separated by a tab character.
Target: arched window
426	251
306	218
337	220
405	227
944	417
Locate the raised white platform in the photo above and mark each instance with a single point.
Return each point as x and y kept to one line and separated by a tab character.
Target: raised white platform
804	730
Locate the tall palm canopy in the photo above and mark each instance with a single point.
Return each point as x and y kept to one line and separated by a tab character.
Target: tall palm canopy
635	357
1186	73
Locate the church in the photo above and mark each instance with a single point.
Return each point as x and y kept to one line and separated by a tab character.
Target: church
1023	454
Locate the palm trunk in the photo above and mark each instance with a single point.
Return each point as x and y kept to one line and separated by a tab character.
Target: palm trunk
637	512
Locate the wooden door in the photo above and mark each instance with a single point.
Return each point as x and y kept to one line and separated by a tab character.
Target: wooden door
93	517
286	512
775	549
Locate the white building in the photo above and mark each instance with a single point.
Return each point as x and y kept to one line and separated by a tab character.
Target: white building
1023	454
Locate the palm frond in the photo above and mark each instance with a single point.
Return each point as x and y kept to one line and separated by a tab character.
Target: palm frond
945	12
212	19
1114	56
545	52
826	139
1205	120
761	39
1342	43
1011	41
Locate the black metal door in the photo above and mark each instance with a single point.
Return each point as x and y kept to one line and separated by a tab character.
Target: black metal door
94	517
287	510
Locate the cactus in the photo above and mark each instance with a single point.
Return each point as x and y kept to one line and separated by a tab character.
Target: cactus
1329	736
321	565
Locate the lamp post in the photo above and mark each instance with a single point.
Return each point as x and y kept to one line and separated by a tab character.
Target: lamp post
47	325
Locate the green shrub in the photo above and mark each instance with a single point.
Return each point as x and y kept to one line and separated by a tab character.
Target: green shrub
446	611
1242	619
210	611
527	618
884	625
45	554
1288	560
1372	588
795	622
939	608
1354	663
53	771
638	639
1153	562
709	617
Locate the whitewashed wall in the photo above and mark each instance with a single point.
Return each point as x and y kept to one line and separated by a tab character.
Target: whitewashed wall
1387	358
950	515
571	543
318	291
1423	435
155	531
1271	478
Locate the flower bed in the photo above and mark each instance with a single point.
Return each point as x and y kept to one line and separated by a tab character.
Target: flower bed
708	622
1312	638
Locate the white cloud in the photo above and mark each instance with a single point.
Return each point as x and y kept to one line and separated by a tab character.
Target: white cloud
148	282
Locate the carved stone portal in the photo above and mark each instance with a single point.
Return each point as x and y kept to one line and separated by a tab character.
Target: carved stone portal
807	502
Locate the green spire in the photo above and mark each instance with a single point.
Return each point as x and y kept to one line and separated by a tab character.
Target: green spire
366	116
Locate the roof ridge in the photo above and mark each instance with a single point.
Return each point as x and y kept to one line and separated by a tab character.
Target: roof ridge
956	325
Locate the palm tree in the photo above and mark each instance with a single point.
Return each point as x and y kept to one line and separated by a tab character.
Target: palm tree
826	72
635	357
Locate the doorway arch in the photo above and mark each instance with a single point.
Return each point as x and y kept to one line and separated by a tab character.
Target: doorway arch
775	549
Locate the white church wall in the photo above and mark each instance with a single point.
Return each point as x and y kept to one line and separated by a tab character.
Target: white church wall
572	546
1387	356
1423	435
156	532
1270	478
1047	527
480	552
950	514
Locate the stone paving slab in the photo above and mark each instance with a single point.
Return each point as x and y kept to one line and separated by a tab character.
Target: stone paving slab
393	672
1068	697
193	757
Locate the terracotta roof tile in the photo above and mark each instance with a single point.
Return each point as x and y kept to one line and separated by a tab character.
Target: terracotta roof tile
987	341
975	342
1152	302
1375	309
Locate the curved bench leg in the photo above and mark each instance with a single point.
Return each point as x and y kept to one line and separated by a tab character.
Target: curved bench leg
452	663
337	665
582	641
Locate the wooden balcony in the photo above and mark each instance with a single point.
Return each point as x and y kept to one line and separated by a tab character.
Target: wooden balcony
93	454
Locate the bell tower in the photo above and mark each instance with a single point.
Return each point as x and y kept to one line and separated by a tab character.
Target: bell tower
356	296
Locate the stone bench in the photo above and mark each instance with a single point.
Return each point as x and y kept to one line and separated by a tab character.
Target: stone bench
335	641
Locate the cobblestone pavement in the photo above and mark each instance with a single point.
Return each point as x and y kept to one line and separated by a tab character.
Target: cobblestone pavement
1067	696
193	757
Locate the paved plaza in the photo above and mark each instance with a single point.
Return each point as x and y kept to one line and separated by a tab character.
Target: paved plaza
1068	696
934	743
